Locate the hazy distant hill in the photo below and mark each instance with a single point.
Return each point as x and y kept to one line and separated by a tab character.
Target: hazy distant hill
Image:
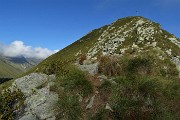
11	67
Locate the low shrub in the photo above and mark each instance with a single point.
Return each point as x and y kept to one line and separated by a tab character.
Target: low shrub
106	86
76	80
109	65
54	67
143	98
140	66
11	104
82	58
102	114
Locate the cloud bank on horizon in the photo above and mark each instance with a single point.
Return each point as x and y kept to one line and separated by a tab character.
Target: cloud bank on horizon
18	48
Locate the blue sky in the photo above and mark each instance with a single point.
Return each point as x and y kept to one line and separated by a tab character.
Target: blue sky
54	24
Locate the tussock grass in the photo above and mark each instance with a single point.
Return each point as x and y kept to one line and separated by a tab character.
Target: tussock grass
68	107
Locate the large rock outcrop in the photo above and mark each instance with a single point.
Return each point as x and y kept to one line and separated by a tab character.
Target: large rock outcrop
40	102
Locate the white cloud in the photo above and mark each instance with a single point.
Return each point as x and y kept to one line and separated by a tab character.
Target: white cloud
18	48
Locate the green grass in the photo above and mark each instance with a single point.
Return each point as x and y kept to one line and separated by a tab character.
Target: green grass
142	90
106	86
144	98
102	114
69	86
5	85
76	81
68	107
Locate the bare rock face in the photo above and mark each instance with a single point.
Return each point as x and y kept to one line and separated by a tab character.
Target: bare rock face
40	101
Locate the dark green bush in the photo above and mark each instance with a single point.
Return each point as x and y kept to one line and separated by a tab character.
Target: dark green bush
102	114
143	98
137	65
69	87
106	86
55	67
76	80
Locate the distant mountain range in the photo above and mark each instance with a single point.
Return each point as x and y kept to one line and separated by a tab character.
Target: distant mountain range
11	67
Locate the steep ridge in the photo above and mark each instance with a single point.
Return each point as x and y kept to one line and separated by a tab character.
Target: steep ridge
124	36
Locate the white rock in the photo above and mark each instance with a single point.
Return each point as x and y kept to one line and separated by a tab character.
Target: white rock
154	44
135	46
90	103
140	22
169	52
175	41
108	107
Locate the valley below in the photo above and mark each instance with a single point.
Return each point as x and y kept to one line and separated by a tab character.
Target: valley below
2	80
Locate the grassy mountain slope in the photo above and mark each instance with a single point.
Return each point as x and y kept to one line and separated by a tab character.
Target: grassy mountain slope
124	36
140	62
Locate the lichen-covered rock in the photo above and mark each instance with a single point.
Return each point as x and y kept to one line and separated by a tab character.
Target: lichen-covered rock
28	83
40	101
28	117
91	68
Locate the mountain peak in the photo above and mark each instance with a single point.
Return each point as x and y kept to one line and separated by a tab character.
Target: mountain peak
125	32
131	35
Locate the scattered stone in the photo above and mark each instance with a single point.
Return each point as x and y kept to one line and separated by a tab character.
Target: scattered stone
90	103
169	52
87	100
80	98
102	77
154	44
175	41
108	107
96	92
